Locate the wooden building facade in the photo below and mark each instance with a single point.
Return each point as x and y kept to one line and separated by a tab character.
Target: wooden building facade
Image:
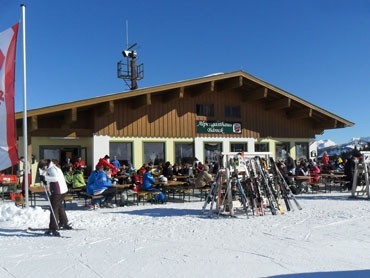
219	113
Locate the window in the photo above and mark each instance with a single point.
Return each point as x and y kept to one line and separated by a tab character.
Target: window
184	153
239	147
232	111
281	149
154	152
205	110
122	150
301	150
63	154
261	147
212	152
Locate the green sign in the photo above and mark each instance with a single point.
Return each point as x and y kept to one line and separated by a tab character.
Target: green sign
219	127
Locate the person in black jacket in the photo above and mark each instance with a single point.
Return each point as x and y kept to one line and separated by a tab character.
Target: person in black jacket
349	169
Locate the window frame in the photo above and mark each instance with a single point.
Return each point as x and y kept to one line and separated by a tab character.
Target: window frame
181	160
206	110
157	161
232	111
120	157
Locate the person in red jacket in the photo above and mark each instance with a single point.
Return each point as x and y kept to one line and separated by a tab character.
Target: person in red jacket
325	158
80	163
104	162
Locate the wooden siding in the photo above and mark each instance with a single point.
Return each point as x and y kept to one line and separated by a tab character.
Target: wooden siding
176	117
169	111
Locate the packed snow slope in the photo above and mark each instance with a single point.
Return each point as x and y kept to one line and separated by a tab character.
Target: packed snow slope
329	237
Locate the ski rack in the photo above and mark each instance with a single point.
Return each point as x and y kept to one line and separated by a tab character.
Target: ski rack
256	186
236	172
360	184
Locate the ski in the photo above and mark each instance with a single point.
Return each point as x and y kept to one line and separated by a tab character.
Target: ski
266	187
236	180
45	229
287	193
42	234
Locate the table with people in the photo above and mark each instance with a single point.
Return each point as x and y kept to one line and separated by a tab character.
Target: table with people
326	173
334	178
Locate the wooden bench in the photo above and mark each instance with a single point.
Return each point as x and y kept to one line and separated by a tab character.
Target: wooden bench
315	186
76	192
90	197
67	198
187	192
145	196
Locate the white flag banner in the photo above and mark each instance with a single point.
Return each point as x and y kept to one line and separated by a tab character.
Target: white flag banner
8	139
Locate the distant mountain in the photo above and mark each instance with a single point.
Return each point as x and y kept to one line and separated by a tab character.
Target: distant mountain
333	149
321	144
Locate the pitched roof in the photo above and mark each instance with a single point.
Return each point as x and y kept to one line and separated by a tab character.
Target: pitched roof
251	89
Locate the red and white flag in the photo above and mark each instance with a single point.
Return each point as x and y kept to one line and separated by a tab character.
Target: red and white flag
8	140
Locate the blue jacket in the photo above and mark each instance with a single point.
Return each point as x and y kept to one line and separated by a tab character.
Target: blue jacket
98	182
148	180
90	182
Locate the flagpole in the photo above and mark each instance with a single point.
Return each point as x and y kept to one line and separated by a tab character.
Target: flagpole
25	132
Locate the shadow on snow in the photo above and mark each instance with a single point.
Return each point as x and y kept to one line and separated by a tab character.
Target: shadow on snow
333	274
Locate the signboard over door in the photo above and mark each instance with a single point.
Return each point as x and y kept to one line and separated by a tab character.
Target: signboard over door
218	127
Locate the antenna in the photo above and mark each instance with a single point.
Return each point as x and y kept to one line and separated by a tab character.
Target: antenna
130	71
126	33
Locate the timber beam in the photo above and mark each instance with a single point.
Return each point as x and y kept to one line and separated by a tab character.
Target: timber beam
278	104
260	93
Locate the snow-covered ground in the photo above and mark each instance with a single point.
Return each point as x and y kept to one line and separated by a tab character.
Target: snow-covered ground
329	237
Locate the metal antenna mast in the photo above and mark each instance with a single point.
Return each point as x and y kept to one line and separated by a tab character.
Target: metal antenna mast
129	70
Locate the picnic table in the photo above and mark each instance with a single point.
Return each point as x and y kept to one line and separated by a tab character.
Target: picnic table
333	178
36	190
180	187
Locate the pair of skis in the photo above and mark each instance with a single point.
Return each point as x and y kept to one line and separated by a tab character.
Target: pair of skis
42	232
286	193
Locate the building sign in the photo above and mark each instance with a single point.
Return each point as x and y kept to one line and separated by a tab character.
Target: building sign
218	127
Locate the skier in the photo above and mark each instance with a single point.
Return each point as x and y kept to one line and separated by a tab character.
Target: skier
57	187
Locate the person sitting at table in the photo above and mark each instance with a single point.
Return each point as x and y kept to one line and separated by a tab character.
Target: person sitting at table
176	169
167	170
78	179
103	186
185	169
105	162
148	184
80	163
95	203
314	171
68	176
203	178
199	168
127	173
288	178
325	158
115	162
302	168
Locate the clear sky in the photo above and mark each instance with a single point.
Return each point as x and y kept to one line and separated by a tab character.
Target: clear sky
318	50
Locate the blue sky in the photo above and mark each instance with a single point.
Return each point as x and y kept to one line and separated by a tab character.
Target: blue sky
318	50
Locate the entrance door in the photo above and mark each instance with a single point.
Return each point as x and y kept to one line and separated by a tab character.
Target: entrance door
64	154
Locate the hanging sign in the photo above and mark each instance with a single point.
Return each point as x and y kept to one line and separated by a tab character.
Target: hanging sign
218	127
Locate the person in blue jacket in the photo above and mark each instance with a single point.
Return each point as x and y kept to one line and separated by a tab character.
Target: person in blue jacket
149	185
101	184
